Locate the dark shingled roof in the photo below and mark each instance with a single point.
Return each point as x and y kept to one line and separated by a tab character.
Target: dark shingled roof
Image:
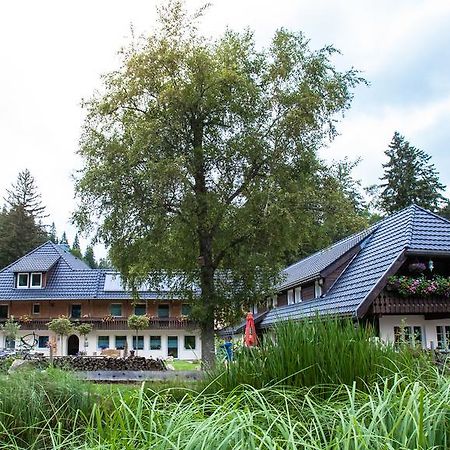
412	229
312	266
67	278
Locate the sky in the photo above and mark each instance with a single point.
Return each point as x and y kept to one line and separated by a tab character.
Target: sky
52	55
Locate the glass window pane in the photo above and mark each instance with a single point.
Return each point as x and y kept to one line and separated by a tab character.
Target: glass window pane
43	341
75	311
172	341
36	279
163	311
189	342
155	342
36	308
103	342
140	309
3	311
120	342
185	309
116	309
140	343
22	280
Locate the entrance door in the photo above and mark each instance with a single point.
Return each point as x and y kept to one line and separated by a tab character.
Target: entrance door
172	346
73	345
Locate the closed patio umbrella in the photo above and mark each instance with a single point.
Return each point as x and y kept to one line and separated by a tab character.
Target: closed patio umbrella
250	338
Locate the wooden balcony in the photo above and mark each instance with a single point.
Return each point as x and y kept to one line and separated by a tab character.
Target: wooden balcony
390	303
119	323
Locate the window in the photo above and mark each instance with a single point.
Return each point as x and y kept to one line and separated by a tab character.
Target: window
317	289
10	343
163	311
409	335
116	309
443	337
3	311
290	297
75	311
140	343
103	342
36	308
298	295
43	341
255	308
155	342
36	281
22	280
189	342
185	309
274	301
172	346
120	342
140	309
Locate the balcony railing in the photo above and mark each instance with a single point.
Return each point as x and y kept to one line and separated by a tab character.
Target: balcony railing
99	323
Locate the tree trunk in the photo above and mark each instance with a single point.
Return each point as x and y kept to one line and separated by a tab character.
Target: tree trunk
208	347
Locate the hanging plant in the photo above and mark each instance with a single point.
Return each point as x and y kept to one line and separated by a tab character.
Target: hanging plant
417	267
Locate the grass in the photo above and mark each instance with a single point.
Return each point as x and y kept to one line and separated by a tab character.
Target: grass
179	364
360	395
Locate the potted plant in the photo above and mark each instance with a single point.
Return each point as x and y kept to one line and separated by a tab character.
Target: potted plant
61	326
83	329
137	323
10	329
417	267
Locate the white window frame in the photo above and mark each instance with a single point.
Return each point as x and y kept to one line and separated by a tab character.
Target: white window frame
18	278
254	309
290	297
446	339
31	279
298	294
275	301
317	289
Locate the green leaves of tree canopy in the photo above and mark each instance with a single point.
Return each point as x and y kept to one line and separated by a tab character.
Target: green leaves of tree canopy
195	157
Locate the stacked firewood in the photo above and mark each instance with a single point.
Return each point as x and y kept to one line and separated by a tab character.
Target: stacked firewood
88	363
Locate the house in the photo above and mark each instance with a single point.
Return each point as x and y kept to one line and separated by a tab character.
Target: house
50	282
353	278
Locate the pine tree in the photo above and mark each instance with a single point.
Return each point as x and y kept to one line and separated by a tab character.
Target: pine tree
90	258
409	177
63	239
24	193
52	233
76	250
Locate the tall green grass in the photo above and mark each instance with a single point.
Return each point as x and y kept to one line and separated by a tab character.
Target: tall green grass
398	415
317	353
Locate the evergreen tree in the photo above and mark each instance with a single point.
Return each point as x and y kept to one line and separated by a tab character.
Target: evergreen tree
21	229
19	234
24	193
409	177
52	233
90	258
76	250
63	239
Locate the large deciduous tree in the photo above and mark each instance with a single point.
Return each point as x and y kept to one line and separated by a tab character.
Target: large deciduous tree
409	177
195	156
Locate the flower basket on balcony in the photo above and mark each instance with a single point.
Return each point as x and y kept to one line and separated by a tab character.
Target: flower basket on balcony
420	287
108	318
25	319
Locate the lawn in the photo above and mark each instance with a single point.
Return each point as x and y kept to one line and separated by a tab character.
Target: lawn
179	364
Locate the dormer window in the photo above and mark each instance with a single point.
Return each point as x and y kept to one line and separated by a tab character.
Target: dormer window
22	280
36	280
29	280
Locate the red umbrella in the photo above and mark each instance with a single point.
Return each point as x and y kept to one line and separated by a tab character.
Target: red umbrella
250	337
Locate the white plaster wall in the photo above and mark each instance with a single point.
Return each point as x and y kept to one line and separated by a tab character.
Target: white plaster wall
387	324
92	340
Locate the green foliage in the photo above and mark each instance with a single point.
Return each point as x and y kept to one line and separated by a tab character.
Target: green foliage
10	328
89	257
409	177
63	239
83	329
52	234
138	323
317	353
197	155
61	326
420	286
